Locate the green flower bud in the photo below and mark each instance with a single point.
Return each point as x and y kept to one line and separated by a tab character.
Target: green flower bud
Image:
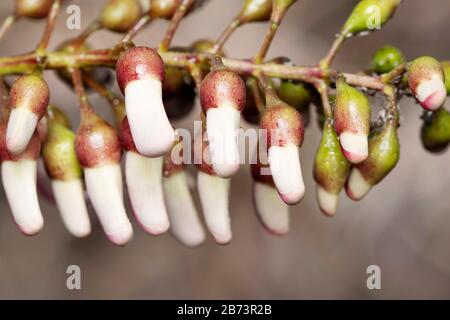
255	11
120	15
446	66
297	95
58	150
369	15
57	115
331	169
435	133
387	59
352	115
384	153
426	82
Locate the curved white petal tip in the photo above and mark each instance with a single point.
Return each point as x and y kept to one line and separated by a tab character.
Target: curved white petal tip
354	146
144	181
21	125
69	197
185	223
214	192
150	128
104	187
357	187
431	94
327	201
222	125
19	181
272	211
287	173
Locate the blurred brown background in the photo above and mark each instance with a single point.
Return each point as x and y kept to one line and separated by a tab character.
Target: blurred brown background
403	225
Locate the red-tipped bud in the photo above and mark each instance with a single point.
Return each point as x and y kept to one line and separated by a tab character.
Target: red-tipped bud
384	153
426	82
284	133
140	72
222	96
28	101
352	114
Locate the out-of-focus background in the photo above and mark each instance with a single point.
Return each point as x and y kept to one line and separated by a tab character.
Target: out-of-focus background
403	225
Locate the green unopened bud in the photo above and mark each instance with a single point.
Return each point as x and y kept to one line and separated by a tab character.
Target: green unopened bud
369	15
59	149
446	66
435	133
352	115
57	115
331	169
255	10
387	59
297	95
426	82
384	153
120	15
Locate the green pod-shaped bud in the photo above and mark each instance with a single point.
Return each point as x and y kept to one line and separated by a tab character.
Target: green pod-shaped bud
352	114
331	169
384	153
59	152
255	11
297	95
426	82
369	15
387	59
446	66
120	15
435	132
57	115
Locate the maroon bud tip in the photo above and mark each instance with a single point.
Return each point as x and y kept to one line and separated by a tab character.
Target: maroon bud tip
138	63
30	92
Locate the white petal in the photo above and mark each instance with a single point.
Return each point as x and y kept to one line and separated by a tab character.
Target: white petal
222	126
104	187
287	173
214	192
151	130
431	93
185	223
144	182
69	197
357	187
327	201
19	181
355	146
21	125
273	212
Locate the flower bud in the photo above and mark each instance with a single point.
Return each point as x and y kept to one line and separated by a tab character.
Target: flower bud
185	223
28	101
19	182
99	152
426	82
144	181
120	15
271	210
255	11
446	66
222	96
33	9
384	153
352	114
387	59
369	15
65	173
164	9
140	73
331	169
296	95
435	133
284	133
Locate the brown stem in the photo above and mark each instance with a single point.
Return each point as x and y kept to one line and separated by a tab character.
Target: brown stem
392	107
82	37
256	94
226	34
85	106
326	62
51	20
142	22
9	21
174	24
197	75
268	89
322	88
393	74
